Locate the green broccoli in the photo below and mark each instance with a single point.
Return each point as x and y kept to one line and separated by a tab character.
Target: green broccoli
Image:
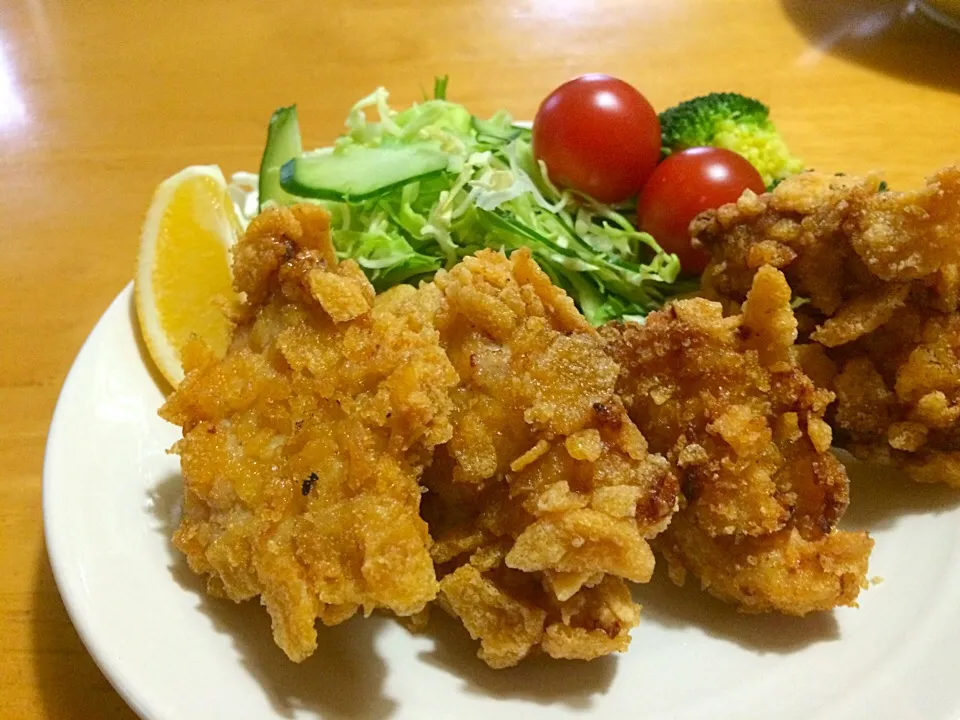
734	122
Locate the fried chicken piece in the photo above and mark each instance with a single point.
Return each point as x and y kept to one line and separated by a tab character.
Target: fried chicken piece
544	500
881	271
726	401
302	447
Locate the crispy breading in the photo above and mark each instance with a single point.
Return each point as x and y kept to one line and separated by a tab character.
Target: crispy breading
881	272
727	402
544	500
302	447
782	572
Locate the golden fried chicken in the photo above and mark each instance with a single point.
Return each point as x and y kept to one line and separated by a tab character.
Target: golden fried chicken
543	502
879	272
302	447
726	401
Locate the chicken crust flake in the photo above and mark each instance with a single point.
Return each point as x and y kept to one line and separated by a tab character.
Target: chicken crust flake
880	274
302	447
724	398
544	500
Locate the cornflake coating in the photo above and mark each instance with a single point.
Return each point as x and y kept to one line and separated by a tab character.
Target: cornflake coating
881	273
302	447
728	404
544	500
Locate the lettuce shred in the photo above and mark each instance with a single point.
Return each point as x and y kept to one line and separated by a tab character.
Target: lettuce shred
494	195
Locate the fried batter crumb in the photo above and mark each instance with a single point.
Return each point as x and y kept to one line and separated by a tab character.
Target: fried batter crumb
544	499
474	444
744	427
346	391
881	272
303	451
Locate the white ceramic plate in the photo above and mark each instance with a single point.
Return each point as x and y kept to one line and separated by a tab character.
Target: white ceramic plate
110	498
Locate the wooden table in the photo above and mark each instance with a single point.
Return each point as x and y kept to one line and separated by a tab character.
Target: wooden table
100	101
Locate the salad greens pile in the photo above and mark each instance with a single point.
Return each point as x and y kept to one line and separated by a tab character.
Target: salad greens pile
414	191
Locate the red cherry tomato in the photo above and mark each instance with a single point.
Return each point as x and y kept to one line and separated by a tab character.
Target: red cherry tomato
598	135
684	185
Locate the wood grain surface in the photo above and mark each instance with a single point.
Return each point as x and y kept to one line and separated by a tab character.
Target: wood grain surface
99	101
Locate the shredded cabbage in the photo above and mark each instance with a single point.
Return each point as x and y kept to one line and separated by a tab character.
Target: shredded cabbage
494	195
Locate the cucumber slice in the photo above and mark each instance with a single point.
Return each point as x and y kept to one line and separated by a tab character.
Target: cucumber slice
358	173
283	143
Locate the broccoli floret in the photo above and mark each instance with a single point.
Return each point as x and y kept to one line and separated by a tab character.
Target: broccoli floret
734	122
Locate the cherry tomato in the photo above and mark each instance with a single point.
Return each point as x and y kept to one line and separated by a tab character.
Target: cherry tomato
598	135
684	185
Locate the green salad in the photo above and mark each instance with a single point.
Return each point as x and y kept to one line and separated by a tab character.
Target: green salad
416	190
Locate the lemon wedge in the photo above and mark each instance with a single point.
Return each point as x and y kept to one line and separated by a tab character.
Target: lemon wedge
183	280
